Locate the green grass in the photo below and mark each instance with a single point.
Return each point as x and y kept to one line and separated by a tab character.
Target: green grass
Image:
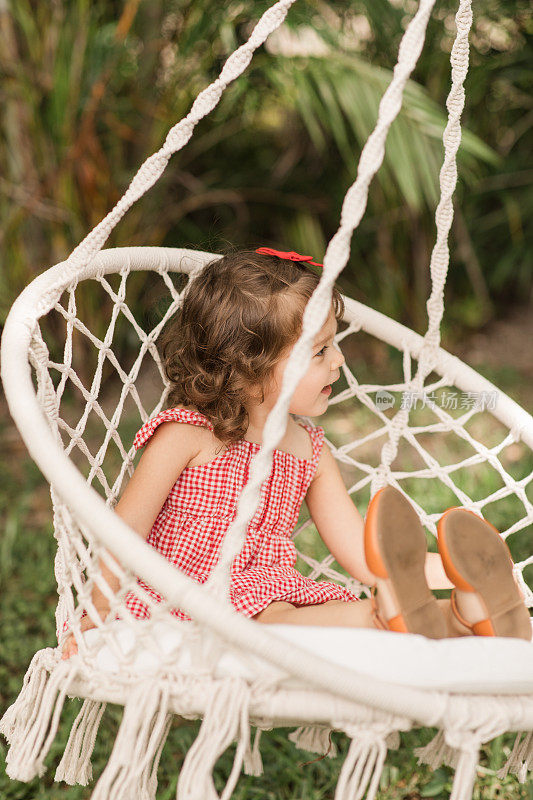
28	597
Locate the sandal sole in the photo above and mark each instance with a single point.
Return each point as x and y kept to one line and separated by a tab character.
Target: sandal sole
477	559
395	550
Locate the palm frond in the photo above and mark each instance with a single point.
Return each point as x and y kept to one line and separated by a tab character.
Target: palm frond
337	99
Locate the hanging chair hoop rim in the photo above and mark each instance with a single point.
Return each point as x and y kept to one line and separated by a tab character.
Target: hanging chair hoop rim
285	706
127	546
288	706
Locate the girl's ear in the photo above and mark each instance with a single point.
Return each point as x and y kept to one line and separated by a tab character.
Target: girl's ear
256	394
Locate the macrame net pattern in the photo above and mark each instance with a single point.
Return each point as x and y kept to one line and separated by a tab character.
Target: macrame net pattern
434	420
439	441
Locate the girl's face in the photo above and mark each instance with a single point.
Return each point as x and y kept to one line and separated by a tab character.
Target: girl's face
310	398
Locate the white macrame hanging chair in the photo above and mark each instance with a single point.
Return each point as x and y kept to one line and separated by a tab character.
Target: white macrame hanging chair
222	667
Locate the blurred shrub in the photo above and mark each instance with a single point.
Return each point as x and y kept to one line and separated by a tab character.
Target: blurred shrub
89	90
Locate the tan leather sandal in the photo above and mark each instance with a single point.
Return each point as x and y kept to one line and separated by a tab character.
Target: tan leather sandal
395	551
477	559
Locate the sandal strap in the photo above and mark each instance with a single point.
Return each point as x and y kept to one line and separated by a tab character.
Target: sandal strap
457	613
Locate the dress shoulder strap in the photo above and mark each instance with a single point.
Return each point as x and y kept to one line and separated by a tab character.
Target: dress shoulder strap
317	438
169	415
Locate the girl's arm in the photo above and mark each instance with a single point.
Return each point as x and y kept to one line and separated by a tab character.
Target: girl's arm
338	521
341	526
171	447
166	454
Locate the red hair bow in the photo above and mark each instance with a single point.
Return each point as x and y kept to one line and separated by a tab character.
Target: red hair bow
291	256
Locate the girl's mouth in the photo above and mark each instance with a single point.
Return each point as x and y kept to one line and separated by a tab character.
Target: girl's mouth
326	389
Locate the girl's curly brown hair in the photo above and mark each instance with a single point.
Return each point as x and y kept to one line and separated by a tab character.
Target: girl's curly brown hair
238	319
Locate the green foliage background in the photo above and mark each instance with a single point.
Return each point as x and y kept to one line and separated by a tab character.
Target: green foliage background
90	88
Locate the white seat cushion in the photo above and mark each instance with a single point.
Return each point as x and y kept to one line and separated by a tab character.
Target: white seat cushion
471	664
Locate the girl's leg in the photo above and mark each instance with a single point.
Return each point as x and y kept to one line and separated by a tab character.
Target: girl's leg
339	613
331	613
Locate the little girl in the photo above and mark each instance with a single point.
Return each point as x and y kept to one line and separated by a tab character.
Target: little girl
225	353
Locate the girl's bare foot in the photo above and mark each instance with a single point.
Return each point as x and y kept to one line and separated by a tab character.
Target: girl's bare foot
70	646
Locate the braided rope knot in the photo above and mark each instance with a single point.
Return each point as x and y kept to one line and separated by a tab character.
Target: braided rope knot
467	741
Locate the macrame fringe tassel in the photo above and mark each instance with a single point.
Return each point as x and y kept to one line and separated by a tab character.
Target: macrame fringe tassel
393	740
131	771
148	779
314	739
466	770
437	752
521	759
253	763
75	766
18	714
362	767
31	723
226	718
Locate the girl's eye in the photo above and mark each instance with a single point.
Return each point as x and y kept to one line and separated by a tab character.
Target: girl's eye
322	352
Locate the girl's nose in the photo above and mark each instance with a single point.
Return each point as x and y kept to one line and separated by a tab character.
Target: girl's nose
339	358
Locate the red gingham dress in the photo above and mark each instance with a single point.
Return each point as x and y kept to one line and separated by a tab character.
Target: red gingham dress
201	505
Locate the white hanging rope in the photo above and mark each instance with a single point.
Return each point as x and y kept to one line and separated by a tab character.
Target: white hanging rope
317	308
440	255
178	136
